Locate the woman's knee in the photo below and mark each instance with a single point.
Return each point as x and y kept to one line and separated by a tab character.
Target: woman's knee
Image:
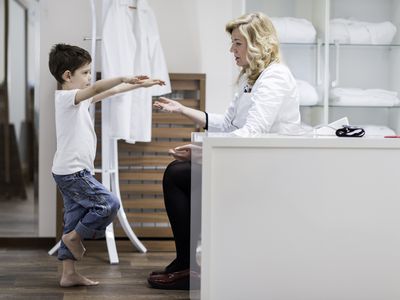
175	171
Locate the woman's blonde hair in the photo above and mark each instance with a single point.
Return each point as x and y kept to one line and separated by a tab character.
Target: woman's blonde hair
262	43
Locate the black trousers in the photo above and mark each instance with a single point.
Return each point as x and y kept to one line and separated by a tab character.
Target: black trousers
177	198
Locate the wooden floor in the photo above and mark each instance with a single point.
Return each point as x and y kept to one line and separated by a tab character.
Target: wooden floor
18	217
32	274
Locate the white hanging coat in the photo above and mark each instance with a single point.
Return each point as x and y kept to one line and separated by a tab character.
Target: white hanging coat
131	46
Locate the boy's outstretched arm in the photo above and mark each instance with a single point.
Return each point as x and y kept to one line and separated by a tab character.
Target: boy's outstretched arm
125	87
105	84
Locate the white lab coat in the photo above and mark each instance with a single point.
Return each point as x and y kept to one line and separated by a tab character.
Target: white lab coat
131	46
272	106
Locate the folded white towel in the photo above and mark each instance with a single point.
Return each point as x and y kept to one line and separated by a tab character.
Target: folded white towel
349	31
359	33
308	93
294	30
386	94
382	33
339	31
363	97
362	101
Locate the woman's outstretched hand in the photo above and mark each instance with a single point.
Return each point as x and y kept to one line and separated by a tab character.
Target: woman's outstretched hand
168	105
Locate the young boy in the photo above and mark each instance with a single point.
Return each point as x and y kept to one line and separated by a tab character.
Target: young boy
88	206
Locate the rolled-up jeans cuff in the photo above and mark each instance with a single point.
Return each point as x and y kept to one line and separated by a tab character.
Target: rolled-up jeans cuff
88	233
64	254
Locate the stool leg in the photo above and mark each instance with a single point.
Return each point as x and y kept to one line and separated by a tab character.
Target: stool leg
111	246
55	248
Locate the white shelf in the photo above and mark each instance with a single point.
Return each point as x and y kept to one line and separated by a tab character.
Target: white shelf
365	45
340	44
362	106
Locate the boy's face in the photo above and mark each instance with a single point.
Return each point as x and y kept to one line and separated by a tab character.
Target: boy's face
80	79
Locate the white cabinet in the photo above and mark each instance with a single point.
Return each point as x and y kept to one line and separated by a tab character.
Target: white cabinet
300	219
351	65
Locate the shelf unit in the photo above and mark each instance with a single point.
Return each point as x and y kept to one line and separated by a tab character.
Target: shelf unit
326	64
367	66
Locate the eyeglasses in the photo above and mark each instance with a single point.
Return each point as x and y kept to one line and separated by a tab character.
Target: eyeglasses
350	131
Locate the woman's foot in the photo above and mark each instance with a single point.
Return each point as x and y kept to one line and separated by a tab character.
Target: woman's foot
76	279
180	280
171	281
74	244
174	266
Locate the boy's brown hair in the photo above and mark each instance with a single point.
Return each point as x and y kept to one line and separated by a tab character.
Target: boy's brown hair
65	57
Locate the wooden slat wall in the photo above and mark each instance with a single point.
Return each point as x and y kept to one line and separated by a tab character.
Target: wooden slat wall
142	165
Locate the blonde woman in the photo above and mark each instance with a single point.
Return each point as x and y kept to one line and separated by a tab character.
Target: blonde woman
266	102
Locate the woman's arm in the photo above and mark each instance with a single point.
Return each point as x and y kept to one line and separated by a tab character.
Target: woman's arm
169	105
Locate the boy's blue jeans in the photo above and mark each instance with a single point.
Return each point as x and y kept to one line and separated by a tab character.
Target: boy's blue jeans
88	207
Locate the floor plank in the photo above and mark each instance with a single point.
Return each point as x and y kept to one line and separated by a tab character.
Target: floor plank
32	274
18	217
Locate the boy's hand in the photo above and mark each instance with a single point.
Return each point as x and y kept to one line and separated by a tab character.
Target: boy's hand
135	79
168	105
151	82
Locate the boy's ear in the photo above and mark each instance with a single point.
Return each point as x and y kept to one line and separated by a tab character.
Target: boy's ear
66	76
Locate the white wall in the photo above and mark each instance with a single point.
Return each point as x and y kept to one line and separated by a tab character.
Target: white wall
218	62
31	54
2	41
194	41
179	35
17	71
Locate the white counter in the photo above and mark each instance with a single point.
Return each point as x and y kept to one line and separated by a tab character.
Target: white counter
300	218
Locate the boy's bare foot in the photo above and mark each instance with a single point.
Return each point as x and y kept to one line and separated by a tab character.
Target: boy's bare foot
76	279
74	244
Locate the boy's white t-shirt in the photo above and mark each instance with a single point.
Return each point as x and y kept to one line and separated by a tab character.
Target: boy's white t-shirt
76	138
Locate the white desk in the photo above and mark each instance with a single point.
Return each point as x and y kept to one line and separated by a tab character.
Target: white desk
301	218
